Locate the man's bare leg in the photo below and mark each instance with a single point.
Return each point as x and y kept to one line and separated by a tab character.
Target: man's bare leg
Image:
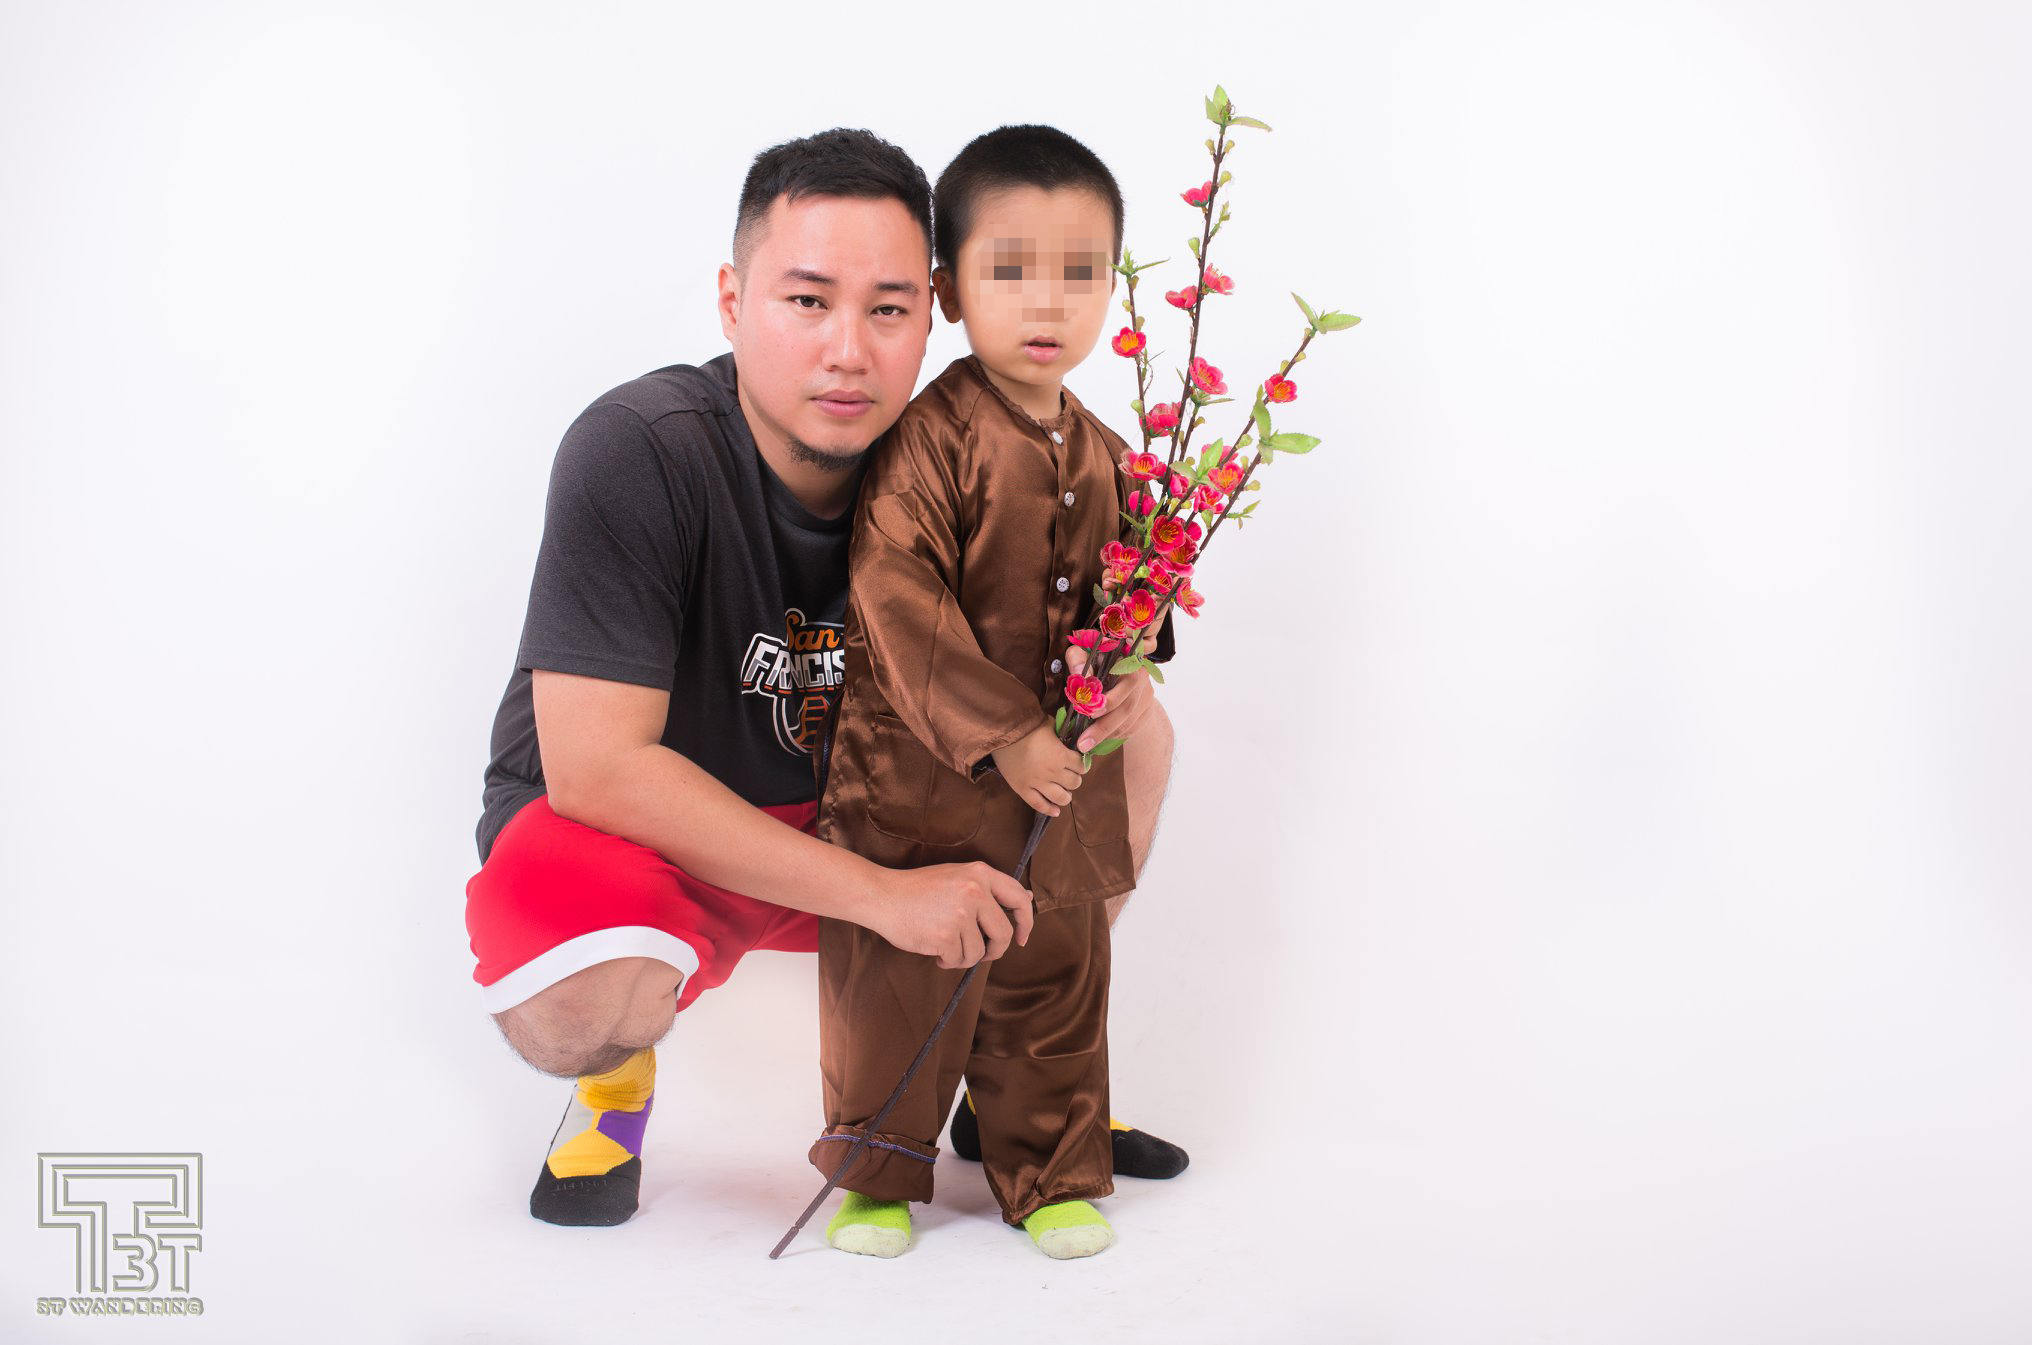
1146	770
598	1026
594	1019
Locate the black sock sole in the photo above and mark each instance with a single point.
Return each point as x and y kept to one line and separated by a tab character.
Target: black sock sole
1140	1154
966	1131
587	1202
1137	1154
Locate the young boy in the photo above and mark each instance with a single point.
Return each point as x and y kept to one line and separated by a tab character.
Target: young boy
974	556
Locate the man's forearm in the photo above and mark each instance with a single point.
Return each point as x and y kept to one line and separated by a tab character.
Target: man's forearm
656	797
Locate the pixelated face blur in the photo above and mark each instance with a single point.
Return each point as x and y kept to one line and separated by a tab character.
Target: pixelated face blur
1032	284
828	322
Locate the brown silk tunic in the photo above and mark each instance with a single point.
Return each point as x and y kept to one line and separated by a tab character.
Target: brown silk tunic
975	552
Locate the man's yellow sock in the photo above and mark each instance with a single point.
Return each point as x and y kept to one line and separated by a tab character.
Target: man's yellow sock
593	1174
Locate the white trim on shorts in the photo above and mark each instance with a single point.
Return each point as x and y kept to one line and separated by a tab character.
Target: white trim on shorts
546	969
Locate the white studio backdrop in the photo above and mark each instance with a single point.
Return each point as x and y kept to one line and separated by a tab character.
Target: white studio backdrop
1591	903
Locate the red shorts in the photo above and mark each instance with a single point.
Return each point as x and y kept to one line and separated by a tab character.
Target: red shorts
556	897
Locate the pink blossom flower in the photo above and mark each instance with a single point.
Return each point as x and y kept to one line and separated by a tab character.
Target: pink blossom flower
1129	341
1185	553
1209	500
1121	562
1142	503
1207	378
1140	607
1141	466
1199	195
1091	639
1084	694
1185	298
1165	534
1180	485
1216	283
1189	600
1113	622
1226	476
1162	418
1277	388
1163	578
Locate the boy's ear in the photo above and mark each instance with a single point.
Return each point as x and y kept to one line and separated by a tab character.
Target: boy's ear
948	291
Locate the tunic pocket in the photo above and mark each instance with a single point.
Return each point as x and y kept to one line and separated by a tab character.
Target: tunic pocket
1100	807
914	796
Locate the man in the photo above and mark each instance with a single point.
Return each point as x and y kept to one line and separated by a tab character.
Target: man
651	794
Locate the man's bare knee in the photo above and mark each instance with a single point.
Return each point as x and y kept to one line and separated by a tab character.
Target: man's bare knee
595	1019
1150	751
1146	770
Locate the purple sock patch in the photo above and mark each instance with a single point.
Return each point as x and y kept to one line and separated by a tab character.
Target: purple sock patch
625	1127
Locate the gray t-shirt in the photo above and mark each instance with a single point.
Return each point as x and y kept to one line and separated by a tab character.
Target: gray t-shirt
672	557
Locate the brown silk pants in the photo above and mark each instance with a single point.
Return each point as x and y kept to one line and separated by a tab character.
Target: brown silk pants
1031	1037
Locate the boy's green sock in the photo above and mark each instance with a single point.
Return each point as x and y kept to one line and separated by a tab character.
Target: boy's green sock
1068	1229
870	1227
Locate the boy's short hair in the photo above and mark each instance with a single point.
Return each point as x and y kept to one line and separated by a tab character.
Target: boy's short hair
1015	156
839	162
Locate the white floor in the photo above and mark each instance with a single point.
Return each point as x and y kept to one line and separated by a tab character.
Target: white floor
1423	1158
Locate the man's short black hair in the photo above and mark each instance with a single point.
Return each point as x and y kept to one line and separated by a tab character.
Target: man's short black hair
1015	156
839	162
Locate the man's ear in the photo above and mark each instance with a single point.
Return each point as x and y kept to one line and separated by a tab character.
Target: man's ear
729	302
948	291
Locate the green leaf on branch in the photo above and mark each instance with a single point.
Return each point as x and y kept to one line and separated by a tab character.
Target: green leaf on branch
1106	746
1261	415
1311	318
1193	243
1247	121
1337	322
1058	721
1100	595
1217	107
1127	664
1290	443
1156	673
